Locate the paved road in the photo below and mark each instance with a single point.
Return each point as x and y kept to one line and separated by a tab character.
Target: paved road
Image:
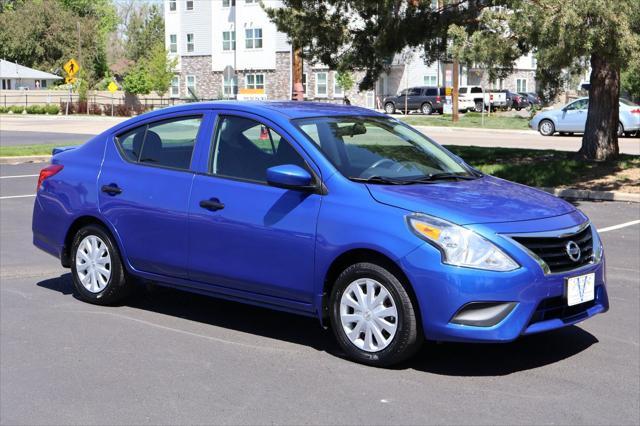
70	129
168	357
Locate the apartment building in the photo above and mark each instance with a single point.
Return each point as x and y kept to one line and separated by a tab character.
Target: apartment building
230	49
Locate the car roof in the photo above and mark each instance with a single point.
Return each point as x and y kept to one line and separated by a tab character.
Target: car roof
286	109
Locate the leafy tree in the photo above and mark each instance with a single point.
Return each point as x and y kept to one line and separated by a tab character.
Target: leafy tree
138	81
365	34
630	80
144	29
160	68
345	80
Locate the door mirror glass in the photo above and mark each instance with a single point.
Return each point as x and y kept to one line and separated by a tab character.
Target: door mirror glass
289	176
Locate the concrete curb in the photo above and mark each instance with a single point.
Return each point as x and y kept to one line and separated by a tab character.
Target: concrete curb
588	195
425	129
25	159
573	194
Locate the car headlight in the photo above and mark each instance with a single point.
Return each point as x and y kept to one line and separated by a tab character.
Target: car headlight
460	246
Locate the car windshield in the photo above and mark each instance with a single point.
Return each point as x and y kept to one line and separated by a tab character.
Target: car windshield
381	150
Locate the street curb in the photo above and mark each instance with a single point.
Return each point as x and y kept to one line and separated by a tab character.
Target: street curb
573	194
425	129
589	195
25	159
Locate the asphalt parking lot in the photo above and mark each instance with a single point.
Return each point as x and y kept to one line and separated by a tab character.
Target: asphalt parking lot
168	357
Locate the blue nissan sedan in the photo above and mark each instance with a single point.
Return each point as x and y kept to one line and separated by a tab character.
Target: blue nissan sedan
335	212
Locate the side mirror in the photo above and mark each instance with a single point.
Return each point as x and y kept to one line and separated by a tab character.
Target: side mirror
289	176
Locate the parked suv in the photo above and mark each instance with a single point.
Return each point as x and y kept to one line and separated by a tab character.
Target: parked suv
426	99
515	100
334	212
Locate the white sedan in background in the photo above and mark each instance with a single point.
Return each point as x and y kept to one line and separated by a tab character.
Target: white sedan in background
572	118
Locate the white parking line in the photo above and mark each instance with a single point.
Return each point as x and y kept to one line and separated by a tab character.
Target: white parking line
17	196
17	176
622	225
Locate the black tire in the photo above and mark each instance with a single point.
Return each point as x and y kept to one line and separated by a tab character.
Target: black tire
426	108
479	106
546	128
620	130
117	286
389	108
408	336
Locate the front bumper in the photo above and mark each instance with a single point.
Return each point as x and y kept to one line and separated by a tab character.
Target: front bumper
540	301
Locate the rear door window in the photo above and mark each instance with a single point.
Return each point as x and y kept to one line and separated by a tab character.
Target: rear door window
432	91
167	143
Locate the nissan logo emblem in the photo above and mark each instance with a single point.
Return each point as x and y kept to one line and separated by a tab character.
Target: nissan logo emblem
573	251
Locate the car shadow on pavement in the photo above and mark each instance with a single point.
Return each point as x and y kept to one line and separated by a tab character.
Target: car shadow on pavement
451	359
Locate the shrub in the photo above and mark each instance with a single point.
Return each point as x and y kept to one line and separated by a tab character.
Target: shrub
95	109
52	109
16	109
35	109
122	110
63	107
3	109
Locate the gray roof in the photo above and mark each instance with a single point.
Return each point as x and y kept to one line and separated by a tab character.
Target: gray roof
12	70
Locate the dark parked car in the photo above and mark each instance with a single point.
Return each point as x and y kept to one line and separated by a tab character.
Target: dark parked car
515	100
532	97
424	99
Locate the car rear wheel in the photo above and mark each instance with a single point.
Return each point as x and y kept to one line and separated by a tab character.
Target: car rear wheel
479	106
546	128
373	317
620	130
98	273
426	108
389	108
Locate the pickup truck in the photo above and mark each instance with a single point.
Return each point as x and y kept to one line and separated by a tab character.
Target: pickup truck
475	95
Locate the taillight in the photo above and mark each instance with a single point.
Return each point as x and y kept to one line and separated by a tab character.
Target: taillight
47	172
635	111
517	98
438	98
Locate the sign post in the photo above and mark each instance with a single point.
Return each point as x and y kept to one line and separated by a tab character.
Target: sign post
112	87
71	67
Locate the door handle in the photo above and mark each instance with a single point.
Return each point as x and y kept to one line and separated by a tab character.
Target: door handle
111	189
212	204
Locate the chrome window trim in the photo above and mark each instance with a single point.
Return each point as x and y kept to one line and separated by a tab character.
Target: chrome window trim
558	233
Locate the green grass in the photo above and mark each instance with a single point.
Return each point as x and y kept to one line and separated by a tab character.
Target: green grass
544	168
41	149
470	119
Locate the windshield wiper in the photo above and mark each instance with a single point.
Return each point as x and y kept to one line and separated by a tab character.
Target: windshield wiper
382	180
444	176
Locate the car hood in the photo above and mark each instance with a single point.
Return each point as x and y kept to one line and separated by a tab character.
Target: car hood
484	200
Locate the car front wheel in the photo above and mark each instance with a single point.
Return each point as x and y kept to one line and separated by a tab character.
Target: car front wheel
389	108
98	273
373	317
546	128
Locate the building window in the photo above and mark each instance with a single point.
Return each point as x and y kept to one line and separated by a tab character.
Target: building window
175	87
191	84
304	83
227	3
43	84
321	84
173	43
254	81
190	45
253	38
172	5
337	89
521	85
228	40
230	86
430	80
189	4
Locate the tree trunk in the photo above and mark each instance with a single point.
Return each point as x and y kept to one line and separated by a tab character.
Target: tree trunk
600	140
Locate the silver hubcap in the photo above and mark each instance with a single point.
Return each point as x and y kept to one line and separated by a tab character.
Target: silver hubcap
546	127
389	108
368	315
93	264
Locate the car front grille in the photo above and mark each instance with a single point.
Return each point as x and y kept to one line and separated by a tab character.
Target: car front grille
552	250
556	308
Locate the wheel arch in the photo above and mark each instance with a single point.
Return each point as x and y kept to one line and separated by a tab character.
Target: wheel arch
353	256
79	223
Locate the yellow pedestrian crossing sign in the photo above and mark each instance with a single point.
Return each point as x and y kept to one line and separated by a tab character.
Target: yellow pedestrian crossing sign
112	87
71	67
